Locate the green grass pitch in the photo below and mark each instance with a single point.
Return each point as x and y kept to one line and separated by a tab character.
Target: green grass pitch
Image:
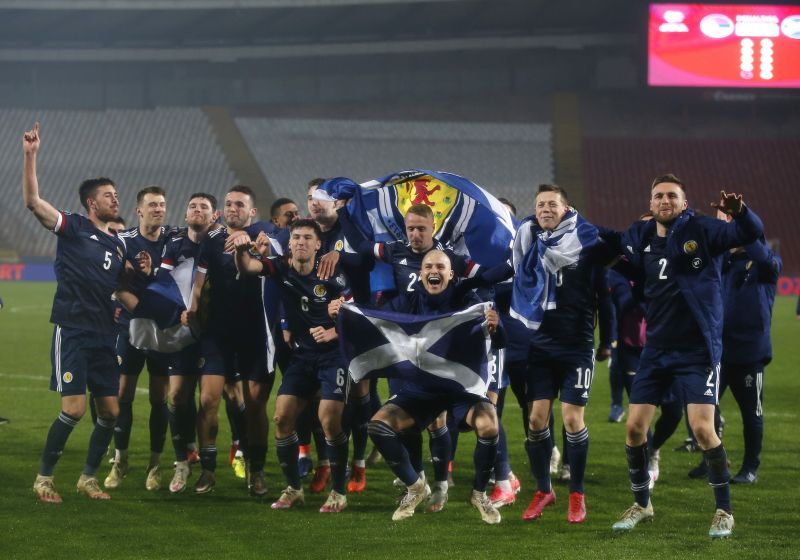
228	524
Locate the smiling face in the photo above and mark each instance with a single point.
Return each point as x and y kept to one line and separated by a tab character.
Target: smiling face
436	272
286	214
104	204
321	211
152	210
667	202
303	244
200	214
419	230
550	209
239	210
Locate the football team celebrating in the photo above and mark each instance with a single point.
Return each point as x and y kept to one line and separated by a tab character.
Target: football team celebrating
670	296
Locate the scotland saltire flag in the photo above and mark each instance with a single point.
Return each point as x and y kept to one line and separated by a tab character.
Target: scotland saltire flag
445	353
156	323
537	256
466	216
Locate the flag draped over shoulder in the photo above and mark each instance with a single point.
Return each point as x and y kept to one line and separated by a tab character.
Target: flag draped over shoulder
537	257
156	323
466	216
446	353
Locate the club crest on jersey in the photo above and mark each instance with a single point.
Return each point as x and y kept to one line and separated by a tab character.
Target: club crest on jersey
697	262
690	247
424	189
339	245
67	377
340	280
320	291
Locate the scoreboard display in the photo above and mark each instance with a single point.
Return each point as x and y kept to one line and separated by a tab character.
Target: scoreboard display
724	45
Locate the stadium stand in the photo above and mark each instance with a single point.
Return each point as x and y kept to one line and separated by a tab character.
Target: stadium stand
174	148
506	159
618	172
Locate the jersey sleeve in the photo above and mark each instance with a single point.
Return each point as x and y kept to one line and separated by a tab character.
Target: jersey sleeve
205	255
68	224
272	266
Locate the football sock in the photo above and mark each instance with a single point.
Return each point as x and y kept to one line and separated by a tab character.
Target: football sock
578	444
98	444
208	458
412	441
718	476
539	446
501	465
257	457
122	431
159	418
394	452
638	461
320	445
439	444
178	438
483	460
338	448
57	437
287	457
453	430
361	415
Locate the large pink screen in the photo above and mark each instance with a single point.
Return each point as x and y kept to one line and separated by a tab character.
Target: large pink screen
706	45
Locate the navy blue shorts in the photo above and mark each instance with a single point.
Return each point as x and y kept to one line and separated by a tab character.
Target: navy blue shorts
132	359
695	379
228	356
187	361
82	360
628	359
307	374
424	407
568	376
497	371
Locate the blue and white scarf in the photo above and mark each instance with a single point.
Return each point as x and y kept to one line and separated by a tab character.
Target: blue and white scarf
537	256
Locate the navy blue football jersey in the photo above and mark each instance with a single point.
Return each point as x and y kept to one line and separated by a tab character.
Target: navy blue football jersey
88	265
407	263
135	243
670	321
345	238
235	302
305	301
579	288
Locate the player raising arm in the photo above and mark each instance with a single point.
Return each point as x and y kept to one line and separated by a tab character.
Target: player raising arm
89	260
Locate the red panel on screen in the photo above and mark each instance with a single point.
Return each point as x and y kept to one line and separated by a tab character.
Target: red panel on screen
704	45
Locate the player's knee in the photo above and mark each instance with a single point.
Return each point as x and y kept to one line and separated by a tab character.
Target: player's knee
209	403
706	436
635	431
331	426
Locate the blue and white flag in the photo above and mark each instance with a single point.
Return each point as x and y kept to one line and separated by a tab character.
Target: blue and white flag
156	323
465	216
537	256
448	353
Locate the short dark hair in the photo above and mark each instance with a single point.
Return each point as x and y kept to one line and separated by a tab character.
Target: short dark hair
306	223
210	197
276	206
667	178
244	189
315	182
151	189
88	188
550	187
508	203
422	210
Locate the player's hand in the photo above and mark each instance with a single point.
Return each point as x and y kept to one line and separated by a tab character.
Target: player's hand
492	320
262	245
730	204
185	318
327	264
288	338
322	335
334	306
30	140
238	240
145	263
602	354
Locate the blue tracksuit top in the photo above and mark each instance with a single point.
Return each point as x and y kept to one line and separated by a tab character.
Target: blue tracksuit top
749	282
